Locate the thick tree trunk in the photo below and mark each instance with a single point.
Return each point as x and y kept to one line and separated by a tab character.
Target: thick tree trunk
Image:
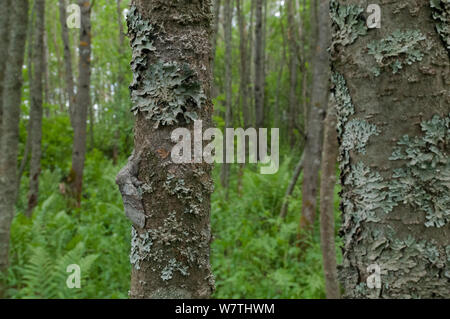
4	35
259	65
169	203
227	28
83	101
12	90
319	102
391	87
70	87
328	181
36	94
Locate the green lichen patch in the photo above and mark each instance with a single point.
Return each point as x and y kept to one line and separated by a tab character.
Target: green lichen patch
398	49
424	181
343	99
356	135
169	89
367	196
347	24
441	13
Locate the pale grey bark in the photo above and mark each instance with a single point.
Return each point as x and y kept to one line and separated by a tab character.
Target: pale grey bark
9	144
36	109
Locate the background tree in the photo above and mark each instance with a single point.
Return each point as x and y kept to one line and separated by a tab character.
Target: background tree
36	112
83	100
12	83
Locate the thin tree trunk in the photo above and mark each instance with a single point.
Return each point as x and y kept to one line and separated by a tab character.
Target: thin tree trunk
70	87
169	203
36	105
394	132
227	27
328	181
4	35
293	70
319	102
217	4
290	189
244	70
9	145
259	66
83	102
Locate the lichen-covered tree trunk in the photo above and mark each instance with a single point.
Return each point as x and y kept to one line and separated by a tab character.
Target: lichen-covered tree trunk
36	95
392	91
319	102
83	101
4	35
9	143
169	203
68	73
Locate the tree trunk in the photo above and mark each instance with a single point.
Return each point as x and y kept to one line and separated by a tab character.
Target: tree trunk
12	90
82	102
36	95
319	102
4	35
67	61
227	28
169	203
259	66
244	70
293	69
328	181
391	87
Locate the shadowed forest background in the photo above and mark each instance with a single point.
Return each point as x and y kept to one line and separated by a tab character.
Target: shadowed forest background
270	233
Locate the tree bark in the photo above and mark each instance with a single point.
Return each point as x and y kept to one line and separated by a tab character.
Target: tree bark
391	87
319	102
4	35
83	101
169	203
227	28
328	181
70	87
36	94
12	90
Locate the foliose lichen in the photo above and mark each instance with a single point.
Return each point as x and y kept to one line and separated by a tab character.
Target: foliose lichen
357	134
398	49
347	24
441	13
424	181
165	91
